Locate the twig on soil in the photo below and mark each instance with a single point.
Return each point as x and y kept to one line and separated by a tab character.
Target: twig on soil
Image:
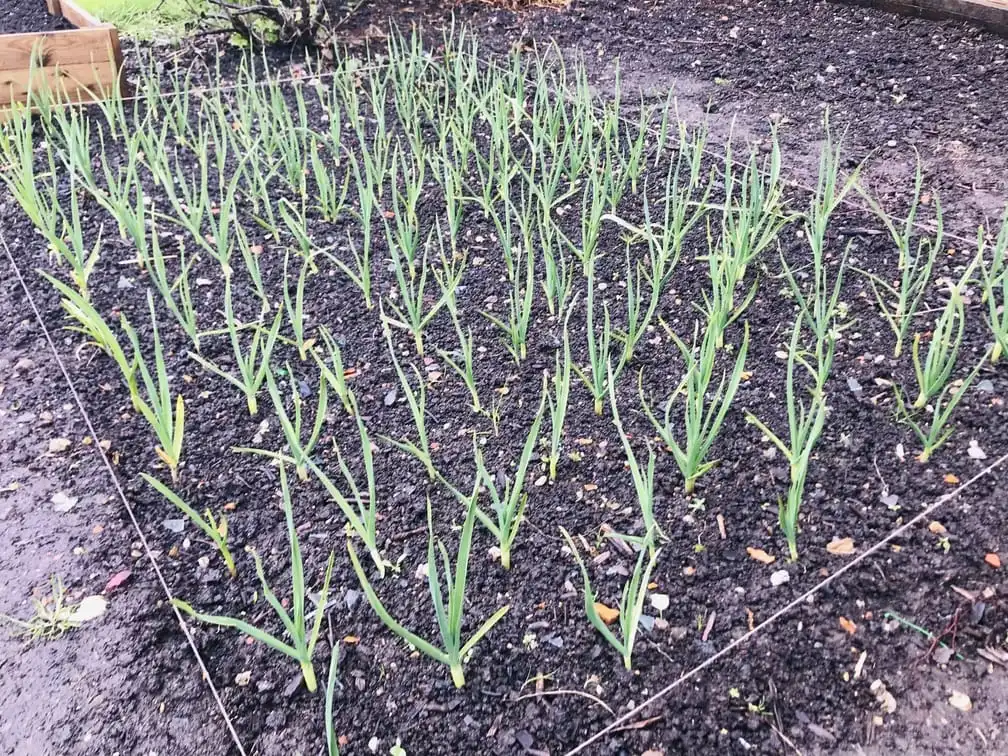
926	513
571	692
936	640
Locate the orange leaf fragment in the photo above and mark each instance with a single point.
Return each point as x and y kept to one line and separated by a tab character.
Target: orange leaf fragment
848	626
605	613
840	546
760	556
951	479
937	528
993	560
351	640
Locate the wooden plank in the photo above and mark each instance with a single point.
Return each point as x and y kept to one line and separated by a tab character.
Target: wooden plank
53	6
59	48
75	83
77	15
990	14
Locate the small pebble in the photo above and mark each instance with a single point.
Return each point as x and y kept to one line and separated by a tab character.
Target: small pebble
779	578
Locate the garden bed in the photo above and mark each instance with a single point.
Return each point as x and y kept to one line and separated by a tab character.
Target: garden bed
543	678
79	64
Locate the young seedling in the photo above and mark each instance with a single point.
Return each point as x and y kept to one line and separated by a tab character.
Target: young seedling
167	418
38	196
335	374
332	742
637	321
176	293
946	338
558	277
418	408
519	309
703	412
805	424
252	365
995	286
561	381
448	598
721	305
294	305
91	324
820	306
301	635
752	216
899	304
644	484
596	374
363	514
359	272
631	605
414	314
300	451
508	504
215	528
936	432
462	360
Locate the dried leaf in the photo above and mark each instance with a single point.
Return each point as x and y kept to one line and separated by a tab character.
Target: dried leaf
116	580
760	556
840	546
959	700
90	608
606	614
63	503
993	560
351	640
849	627
951	479
937	528
58	445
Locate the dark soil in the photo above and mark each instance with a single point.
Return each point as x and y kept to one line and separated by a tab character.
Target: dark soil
29	16
127	682
795	684
894	84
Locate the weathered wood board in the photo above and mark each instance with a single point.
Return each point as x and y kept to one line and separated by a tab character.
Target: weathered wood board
74	65
990	14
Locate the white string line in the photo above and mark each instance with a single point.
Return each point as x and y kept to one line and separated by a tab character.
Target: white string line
787	608
308	77
115	482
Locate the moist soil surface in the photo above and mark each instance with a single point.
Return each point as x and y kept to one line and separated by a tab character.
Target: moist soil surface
128	683
798	686
29	16
893	84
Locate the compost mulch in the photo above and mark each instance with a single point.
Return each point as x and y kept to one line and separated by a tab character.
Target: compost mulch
792	687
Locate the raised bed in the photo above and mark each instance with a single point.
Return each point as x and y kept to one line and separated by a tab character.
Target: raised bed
990	14
76	65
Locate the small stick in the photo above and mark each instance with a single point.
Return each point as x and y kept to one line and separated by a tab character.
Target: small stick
570	692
